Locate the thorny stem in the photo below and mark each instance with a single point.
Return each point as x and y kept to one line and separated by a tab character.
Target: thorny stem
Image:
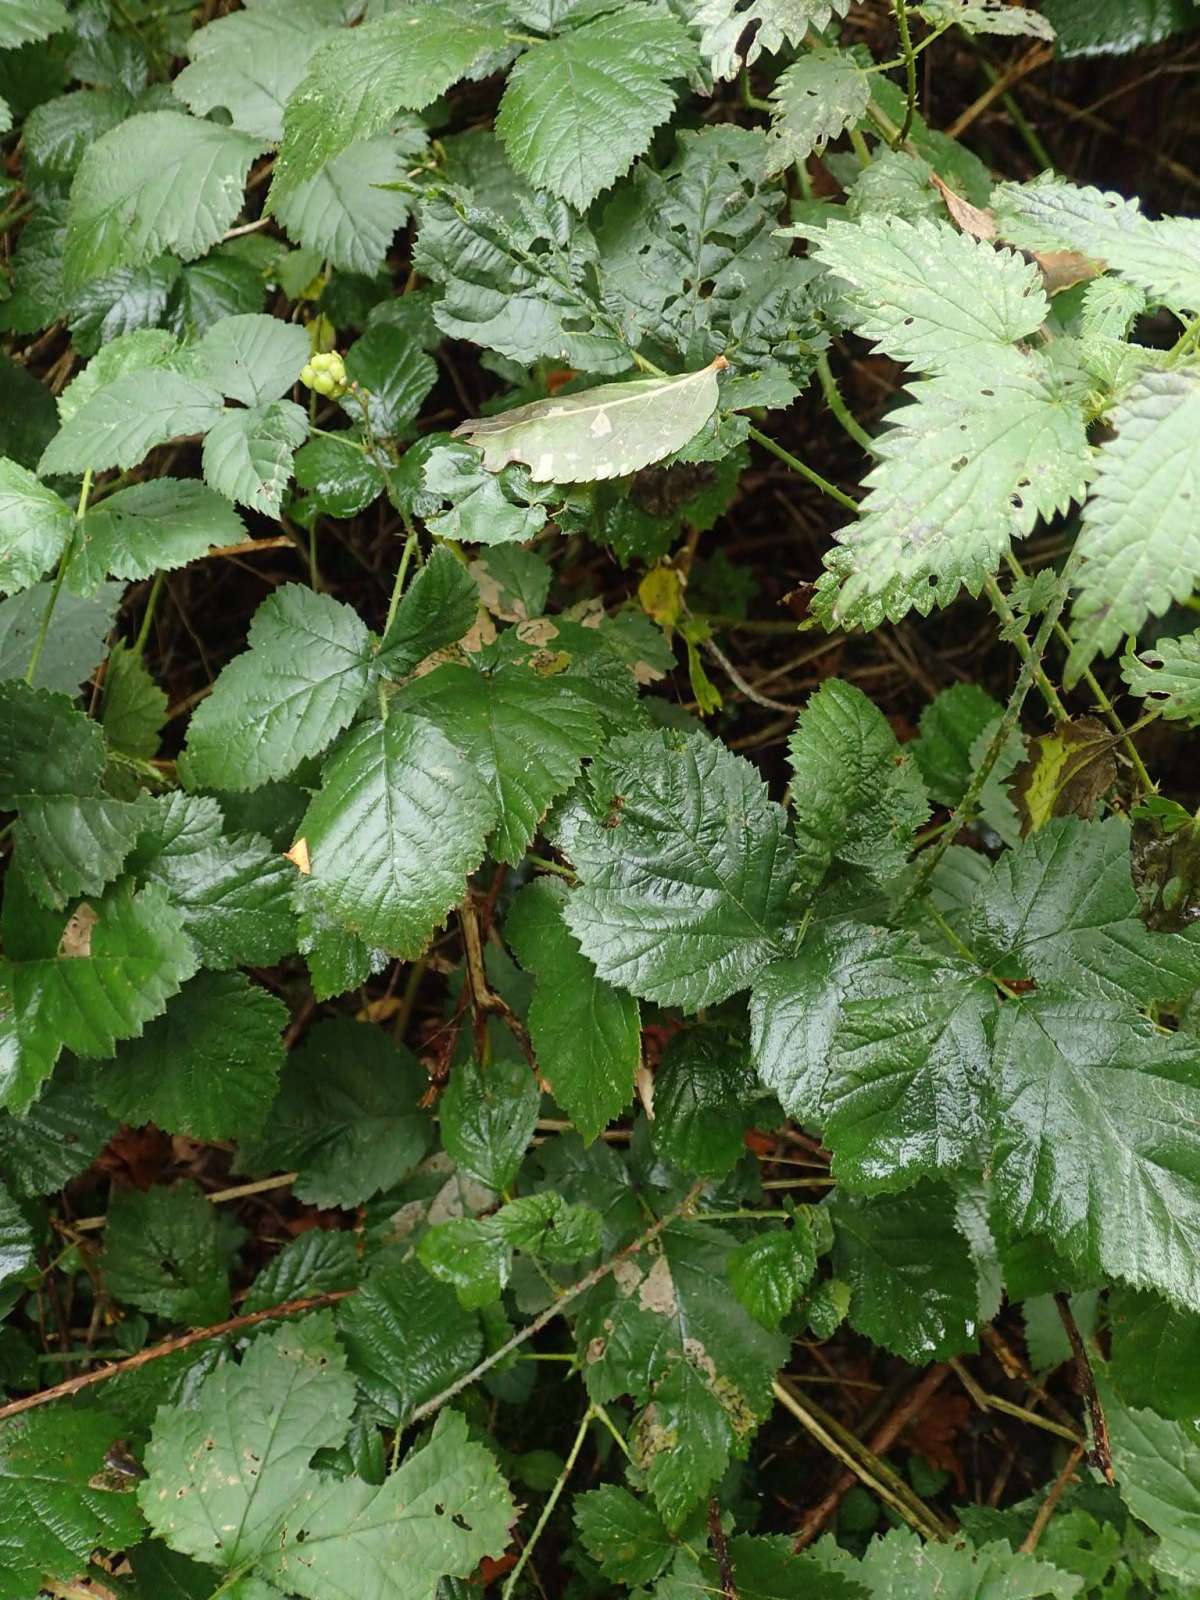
805	471
836	404
1185	343
1012	711
1016	634
910	69
1101	1449
410	545
139	644
552	1500
64	562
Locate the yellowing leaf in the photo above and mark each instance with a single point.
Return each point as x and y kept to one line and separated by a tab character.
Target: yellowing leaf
606	432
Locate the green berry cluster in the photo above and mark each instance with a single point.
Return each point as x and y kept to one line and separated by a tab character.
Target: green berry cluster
326	373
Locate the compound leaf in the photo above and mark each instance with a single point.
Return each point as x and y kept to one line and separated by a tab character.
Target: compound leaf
249	453
123	420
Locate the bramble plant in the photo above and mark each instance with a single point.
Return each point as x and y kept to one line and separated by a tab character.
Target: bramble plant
495	1090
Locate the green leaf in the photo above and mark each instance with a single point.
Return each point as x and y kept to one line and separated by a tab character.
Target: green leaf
115	968
135	708
1115	27
546	1226
17	1251
487	1117
398	825
121	422
912	1280
252	358
526	737
1061	909
1139	548
162	1253
317	1262
686	871
160	181
75	645
70	846
27	20
150	527
724	24
221	1490
816	99
396	375
667	1332
524	288
930	296
1052	214
585	1033
1156	1466
249	64
1167	674
987	16
857	798
480	510
408	1338
894	1564
37	526
207	1067
579	108
770	1272
950	726
1152	1360
797	1006
233	891
971	463
47	746
436	609
347	1117
340	478
287	697
622	1534
605	432
51	1516
470	1256
143	350
1095	1123
357	82
248	453
60	1135
342	212
703	1101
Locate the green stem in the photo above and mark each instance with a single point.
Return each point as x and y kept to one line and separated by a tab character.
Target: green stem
64	563
552	1500
910	70
1019	120
1012	711
410	545
1103	703
1016	634
1186	342
805	471
860	147
836	404
139	644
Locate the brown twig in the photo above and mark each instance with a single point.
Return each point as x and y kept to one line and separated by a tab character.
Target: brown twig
1048	1506
885	1435
169	1347
1029	62
721	1549
1101	1451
